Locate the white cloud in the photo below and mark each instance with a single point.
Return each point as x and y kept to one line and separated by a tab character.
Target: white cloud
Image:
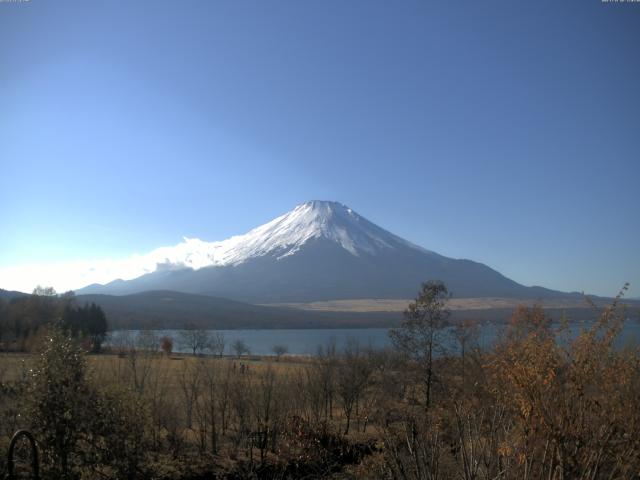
64	276
71	275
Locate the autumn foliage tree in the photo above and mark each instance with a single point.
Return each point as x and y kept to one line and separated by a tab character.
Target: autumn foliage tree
546	401
573	401
166	345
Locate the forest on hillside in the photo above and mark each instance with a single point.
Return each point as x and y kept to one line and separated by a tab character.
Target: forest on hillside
25	319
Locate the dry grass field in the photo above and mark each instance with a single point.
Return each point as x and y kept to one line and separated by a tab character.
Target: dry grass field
112	367
399	305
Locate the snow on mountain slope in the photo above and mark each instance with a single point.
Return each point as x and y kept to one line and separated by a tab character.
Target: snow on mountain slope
284	236
318	251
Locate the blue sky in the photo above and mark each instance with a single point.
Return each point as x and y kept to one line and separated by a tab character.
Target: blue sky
504	132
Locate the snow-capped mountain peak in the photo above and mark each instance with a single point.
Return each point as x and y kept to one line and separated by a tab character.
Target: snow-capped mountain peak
316	219
318	251
281	237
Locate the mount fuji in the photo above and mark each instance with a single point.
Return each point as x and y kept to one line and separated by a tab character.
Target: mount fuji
318	251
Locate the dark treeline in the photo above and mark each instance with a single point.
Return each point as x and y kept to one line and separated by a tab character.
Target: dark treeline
23	319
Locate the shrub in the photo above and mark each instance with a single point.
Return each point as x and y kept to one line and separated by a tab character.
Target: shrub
60	402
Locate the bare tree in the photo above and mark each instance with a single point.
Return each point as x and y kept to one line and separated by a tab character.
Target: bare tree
240	347
140	351
264	404
466	334
218	344
147	341
44	291
223	397
209	403
354	371
240	405
189	381
195	339
325	374
280	350
120	341
308	394
158	388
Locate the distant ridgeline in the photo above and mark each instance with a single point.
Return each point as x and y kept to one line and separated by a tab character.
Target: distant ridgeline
24	317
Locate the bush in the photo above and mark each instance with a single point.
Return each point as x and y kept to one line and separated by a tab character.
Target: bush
60	402
121	428
82	430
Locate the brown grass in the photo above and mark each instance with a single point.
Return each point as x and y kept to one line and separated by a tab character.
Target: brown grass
399	305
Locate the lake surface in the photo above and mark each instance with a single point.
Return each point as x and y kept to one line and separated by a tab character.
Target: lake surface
308	341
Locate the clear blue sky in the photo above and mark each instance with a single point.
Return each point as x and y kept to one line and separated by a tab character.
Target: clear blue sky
504	132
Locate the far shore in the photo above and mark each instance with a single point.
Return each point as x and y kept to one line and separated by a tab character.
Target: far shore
382	305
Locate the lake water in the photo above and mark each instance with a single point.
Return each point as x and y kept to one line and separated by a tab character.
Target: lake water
307	341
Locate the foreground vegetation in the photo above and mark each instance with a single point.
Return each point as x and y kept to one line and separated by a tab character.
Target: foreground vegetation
538	405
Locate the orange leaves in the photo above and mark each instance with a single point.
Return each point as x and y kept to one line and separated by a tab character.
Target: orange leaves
526	363
579	397
505	450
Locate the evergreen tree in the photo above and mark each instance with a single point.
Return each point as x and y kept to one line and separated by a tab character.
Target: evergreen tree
420	334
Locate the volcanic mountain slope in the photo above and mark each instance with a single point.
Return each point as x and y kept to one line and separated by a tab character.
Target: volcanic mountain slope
10	295
318	251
